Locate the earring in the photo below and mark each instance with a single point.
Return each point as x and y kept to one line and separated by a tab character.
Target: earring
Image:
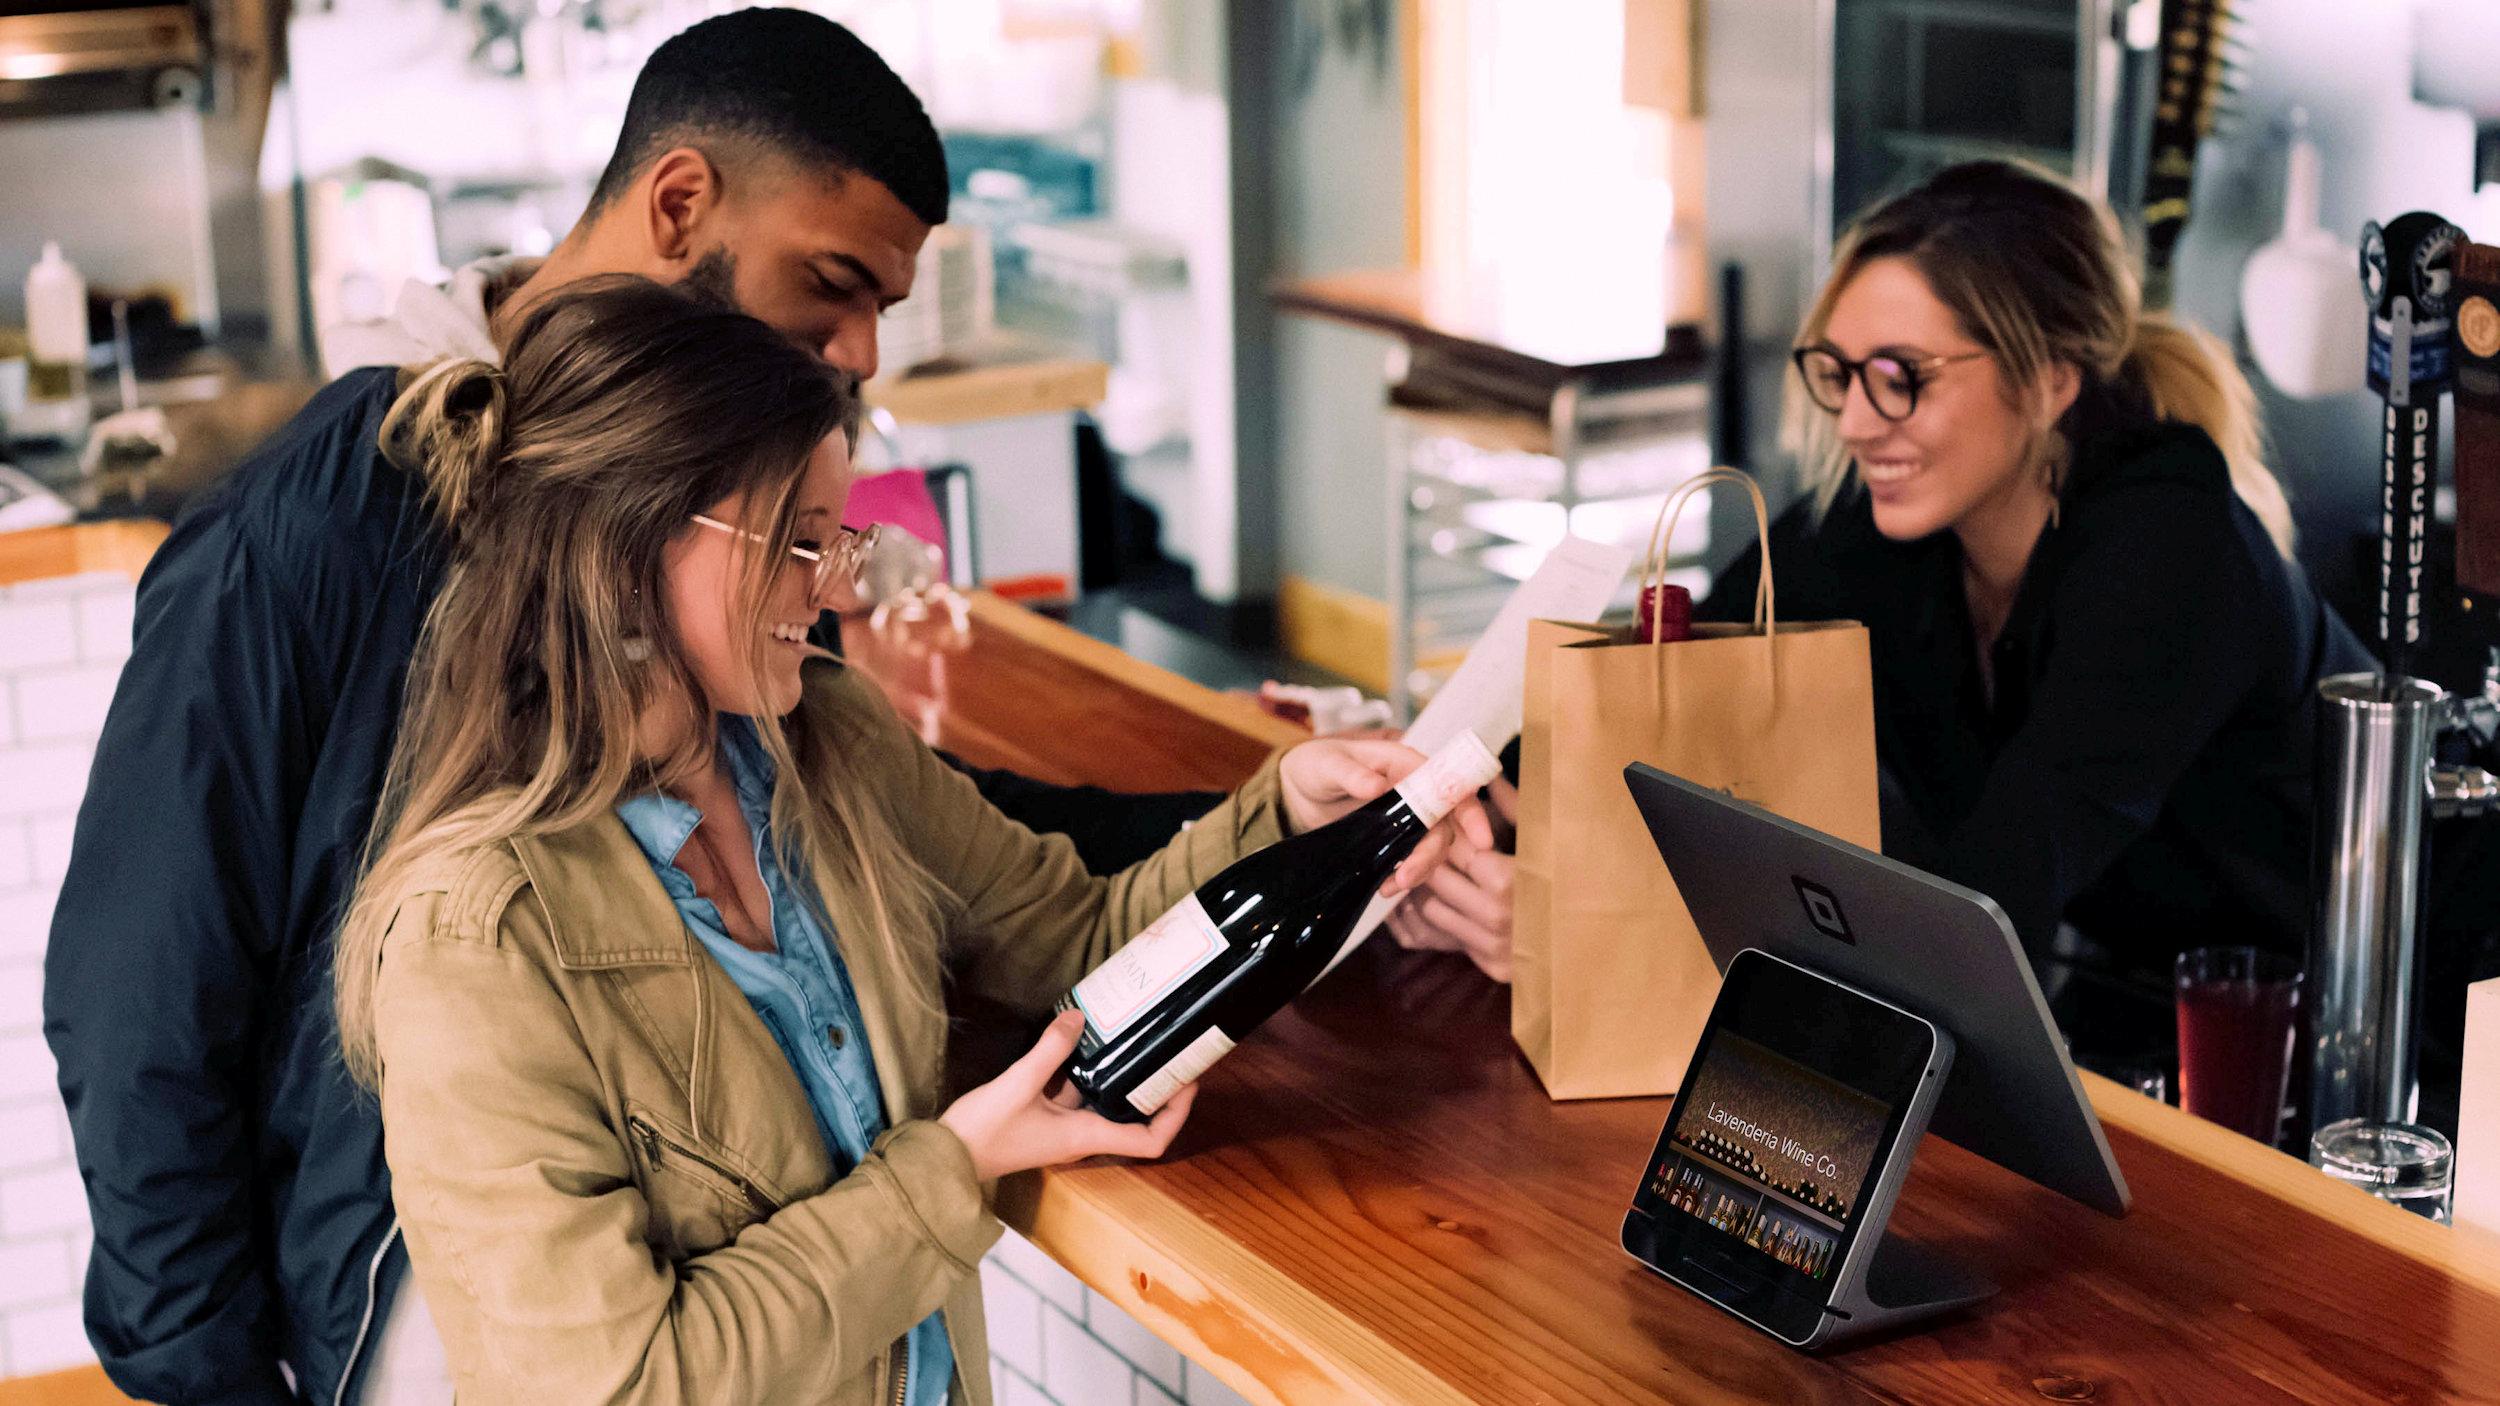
2053	472
636	649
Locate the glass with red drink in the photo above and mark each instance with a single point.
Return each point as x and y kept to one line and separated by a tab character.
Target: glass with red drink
2238	1008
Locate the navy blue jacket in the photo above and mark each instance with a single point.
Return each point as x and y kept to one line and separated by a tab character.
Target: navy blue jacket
242	1210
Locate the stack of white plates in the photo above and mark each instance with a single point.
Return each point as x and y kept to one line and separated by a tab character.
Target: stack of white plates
953	305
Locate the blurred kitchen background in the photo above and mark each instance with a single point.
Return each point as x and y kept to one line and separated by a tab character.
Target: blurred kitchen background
1270	338
1305	324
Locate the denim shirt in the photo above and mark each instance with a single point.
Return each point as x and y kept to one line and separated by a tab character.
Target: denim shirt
801	990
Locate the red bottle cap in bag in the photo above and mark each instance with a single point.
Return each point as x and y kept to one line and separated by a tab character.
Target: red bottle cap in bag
1666	614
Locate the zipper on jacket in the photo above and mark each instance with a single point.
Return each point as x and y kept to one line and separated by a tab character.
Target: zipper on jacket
902	1367
653	1140
364	1326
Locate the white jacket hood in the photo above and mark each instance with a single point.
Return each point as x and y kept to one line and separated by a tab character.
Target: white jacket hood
430	323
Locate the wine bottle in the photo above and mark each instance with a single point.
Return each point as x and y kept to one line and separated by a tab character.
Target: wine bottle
1197	981
1666	614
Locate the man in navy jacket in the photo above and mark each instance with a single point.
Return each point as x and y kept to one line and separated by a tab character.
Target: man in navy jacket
245	1245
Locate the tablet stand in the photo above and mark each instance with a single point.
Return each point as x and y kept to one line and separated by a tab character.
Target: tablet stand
1884	1283
1902	1281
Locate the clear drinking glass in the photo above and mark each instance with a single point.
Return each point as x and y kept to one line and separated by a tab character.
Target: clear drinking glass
2402	1163
2144	1076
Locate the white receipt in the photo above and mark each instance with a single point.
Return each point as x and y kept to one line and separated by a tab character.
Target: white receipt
1576	581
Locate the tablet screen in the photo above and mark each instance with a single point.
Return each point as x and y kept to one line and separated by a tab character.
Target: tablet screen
1770	1152
1793	1101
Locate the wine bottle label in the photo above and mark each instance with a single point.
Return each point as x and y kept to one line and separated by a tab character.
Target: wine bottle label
1195	1058
1450	776
1155	962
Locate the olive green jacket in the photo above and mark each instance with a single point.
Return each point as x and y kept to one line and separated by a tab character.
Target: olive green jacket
610	1181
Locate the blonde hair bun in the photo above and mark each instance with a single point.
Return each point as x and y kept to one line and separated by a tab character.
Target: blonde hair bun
447	427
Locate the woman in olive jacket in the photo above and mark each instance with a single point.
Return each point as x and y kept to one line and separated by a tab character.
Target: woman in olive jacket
647	965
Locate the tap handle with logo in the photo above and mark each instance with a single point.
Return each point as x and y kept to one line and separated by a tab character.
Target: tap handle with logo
2407	268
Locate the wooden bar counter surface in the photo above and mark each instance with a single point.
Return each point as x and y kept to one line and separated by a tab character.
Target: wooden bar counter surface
1374	1201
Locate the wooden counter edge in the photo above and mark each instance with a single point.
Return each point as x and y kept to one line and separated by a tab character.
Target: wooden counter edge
71	1386
123	545
1253	1327
2291	1180
991	612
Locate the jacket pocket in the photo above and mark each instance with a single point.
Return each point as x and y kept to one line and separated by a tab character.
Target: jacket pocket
697	1202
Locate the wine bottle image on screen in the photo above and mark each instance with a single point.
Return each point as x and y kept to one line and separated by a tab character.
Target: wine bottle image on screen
1199	979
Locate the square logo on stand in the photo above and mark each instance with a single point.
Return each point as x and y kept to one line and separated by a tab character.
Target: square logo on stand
1823	910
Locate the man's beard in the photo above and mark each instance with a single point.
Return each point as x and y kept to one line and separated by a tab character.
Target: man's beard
713	282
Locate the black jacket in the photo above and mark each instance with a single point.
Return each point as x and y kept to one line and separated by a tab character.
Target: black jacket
2143	771
242	1210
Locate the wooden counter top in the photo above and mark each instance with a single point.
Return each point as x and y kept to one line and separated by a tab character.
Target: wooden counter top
72	548
1375	1202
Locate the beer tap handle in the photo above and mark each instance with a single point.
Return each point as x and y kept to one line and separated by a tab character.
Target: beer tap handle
2465	770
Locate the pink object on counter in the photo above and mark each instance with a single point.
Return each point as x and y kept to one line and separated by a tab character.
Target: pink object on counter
898	498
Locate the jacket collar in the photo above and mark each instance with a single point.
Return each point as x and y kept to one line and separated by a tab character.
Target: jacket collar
605	908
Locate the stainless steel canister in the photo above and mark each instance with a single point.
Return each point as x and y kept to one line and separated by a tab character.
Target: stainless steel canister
2374	751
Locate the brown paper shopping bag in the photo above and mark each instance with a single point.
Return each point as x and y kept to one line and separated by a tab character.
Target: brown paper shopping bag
1611	981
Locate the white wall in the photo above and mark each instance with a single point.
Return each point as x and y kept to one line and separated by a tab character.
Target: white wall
1054	1342
124	194
2349	65
1335	192
61	646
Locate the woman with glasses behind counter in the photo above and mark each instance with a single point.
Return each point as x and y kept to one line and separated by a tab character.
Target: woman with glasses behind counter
2095	662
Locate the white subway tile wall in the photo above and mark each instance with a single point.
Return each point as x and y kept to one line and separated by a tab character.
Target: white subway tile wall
1053	1342
1205	1390
1087	1350
61	645
1159	1360
47	1339
17	842
51	847
1044	1275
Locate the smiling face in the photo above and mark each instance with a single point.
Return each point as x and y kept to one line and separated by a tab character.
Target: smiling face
705	578
1968	448
817	255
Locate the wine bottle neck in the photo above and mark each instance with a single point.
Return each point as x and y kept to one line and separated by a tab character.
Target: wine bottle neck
1380	835
1449	776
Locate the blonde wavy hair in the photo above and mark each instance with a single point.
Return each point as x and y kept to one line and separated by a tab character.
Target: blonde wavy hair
623	407
2038	276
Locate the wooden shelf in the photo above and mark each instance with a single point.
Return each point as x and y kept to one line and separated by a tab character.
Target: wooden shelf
996	383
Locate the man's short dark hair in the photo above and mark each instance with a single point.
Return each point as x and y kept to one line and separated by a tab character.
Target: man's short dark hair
789	82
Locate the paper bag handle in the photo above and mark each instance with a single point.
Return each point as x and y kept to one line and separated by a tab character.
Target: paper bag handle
1654	561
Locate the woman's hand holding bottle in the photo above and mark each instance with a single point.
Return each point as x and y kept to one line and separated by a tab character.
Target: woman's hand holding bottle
1328	777
1017	1122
